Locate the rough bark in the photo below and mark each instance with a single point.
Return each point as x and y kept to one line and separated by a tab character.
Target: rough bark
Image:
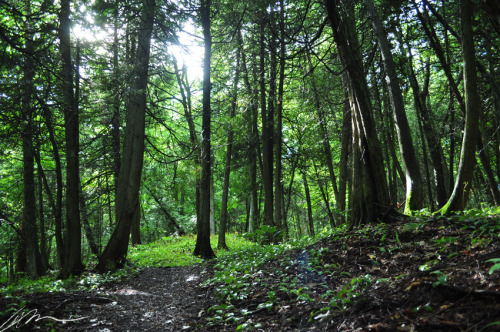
463	182
127	196
227	168
310	221
29	217
56	204
203	247
72	263
253	141
267	131
278	186
369	182
414	184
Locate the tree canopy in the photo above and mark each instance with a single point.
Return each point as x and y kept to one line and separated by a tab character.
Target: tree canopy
132	120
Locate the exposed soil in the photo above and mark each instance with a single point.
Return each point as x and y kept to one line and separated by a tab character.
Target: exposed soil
395	278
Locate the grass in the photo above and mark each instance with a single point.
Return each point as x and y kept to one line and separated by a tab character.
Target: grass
178	250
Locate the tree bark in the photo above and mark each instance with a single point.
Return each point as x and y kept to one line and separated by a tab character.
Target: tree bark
29	218
203	247
463	182
369	187
72	263
253	141
267	131
414	184
278	186
310	221
57	204
227	168
127	196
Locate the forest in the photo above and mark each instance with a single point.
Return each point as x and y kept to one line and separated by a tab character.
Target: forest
222	124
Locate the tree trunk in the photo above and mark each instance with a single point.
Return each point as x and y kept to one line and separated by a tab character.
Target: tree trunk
57	205
127	196
253	141
227	169
414	184
369	187
72	263
203	248
86	224
463	182
185	91
344	157
278	186
309	206
29	218
267	131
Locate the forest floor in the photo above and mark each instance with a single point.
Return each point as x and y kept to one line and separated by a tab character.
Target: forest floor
430	276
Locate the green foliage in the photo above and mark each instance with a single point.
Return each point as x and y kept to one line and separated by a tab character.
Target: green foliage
496	266
265	235
442	278
178	250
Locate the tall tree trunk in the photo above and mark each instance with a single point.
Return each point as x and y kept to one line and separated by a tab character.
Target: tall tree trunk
414	184
212	200
72	263
325	138
185	91
57	205
129	181
44	256
115	120
29	217
344	157
227	168
278	186
463	182
432	137
253	141
203	247
267	130
369	182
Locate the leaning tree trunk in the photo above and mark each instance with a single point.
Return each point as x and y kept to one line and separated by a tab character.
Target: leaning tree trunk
463	182
129	181
203	248
414	183
369	181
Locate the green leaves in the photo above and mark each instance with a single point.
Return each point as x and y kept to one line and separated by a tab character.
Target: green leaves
496	266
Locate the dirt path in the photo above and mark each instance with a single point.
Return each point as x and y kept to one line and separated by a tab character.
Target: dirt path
157	299
405	277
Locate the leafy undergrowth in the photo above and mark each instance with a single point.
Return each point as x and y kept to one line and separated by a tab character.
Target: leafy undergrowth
425	274
178	250
434	274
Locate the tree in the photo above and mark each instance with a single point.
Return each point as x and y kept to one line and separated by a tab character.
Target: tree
227	168
369	198
29	238
414	184
72	263
463	182
203	247
129	181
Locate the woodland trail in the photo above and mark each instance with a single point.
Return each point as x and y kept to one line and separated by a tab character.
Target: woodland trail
431	276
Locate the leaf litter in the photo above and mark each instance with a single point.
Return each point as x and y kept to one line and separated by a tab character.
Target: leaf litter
431	275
